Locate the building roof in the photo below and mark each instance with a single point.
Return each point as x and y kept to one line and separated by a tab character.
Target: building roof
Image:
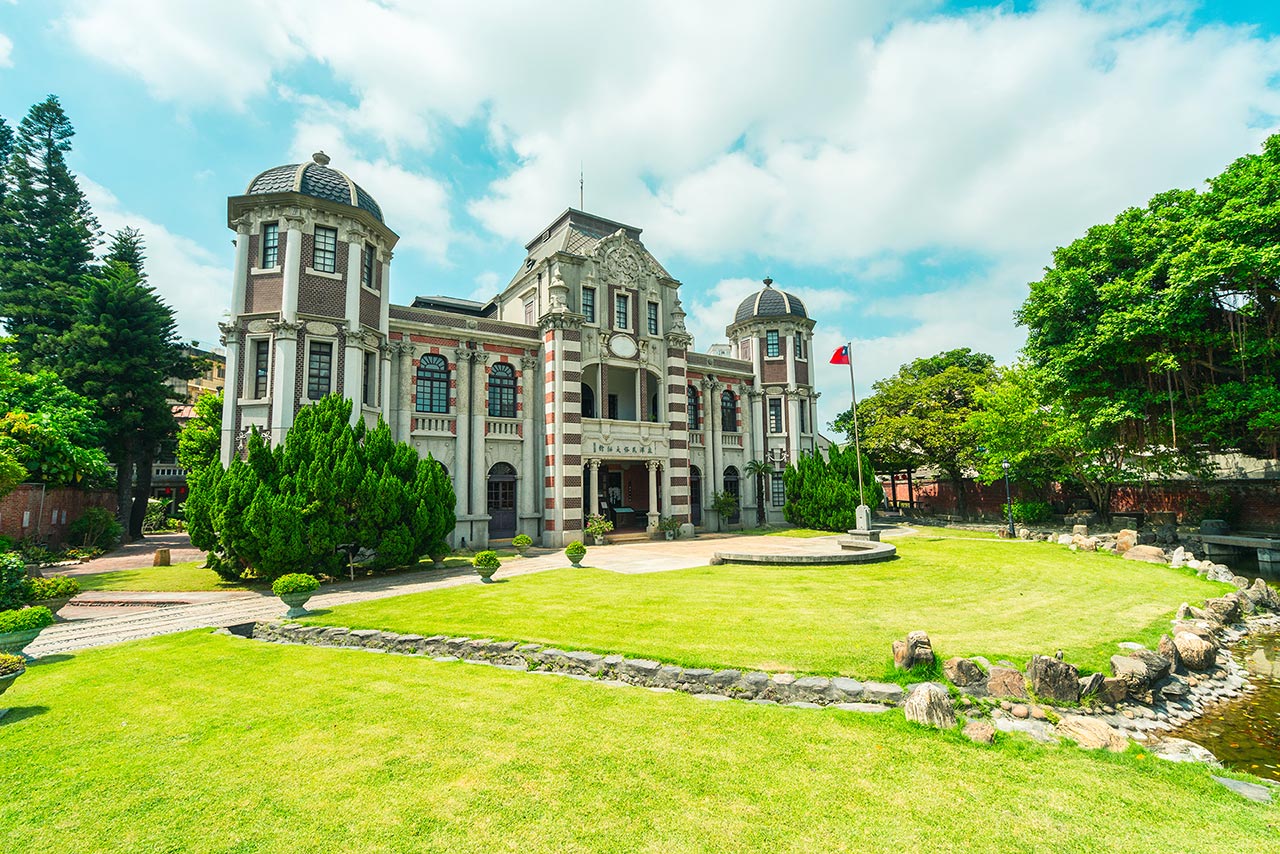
316	179
770	302
576	232
455	305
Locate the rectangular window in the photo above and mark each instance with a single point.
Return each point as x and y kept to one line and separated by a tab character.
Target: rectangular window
270	245
530	307
779	491
613	406
804	419
620	305
772	349
799	342
370	389
325	257
261	367
319	369
366	267
775	415
589	304
653	318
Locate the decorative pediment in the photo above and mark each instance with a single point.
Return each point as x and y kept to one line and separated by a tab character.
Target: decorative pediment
621	261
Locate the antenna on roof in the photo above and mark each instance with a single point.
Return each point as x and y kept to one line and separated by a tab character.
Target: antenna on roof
581	187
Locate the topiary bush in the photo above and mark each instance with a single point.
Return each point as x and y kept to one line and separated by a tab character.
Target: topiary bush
53	587
487	559
96	527
13	576
25	619
521	541
294	582
11	664
575	550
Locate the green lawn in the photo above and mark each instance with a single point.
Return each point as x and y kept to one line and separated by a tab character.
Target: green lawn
203	743
974	597
181	577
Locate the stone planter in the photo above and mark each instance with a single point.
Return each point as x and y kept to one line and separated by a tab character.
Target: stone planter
13	642
671	535
576	560
6	682
599	539
296	603
486	573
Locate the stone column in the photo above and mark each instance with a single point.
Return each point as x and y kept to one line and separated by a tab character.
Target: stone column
352	374
462	433
284	372
407	400
754	426
384	330
593	488
479	467
793	427
715	453
652	465
232	337
240	278
292	268
531	475
674	375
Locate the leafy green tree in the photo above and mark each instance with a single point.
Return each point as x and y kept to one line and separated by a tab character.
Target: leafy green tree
919	416
12	472
822	491
50	430
200	439
119	353
329	485
47	234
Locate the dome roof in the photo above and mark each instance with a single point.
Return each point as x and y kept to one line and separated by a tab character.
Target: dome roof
315	179
769	302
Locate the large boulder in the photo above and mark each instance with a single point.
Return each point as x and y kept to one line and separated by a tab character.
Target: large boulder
1091	685
1224	609
1158	666
1133	672
1125	540
1114	690
916	649
1054	680
963	672
930	704
1195	652
1089	733
1147	554
1006	682
1263	596
1169	650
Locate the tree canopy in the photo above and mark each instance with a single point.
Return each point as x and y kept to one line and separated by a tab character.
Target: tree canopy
51	431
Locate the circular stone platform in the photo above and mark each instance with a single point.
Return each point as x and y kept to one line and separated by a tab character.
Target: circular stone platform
851	552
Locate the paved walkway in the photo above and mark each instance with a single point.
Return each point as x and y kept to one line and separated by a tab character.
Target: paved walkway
136	555
232	608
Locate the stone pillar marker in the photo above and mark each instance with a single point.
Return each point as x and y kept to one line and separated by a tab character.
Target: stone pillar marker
593	488
863	515
652	465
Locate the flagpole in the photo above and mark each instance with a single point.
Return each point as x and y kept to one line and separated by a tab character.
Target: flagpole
857	441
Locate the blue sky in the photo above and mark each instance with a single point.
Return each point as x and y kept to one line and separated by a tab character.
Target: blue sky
906	167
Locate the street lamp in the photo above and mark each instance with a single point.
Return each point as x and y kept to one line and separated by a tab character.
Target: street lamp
1008	497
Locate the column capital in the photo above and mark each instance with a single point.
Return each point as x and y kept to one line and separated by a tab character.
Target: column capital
231	333
293	222
593	464
651	465
285	328
462	354
529	363
480	356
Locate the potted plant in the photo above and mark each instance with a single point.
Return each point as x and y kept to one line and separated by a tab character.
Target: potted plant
11	667
597	527
438	553
19	628
294	590
575	552
521	543
726	506
486	563
669	525
53	592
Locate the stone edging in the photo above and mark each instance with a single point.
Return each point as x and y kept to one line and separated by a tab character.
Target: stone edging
782	688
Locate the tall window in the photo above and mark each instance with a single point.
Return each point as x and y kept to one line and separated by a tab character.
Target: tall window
804	416
653	318
772	349
366	267
261	366
779	490
432	393
693	408
728	412
369	389
530	309
589	304
775	415
270	245
620	305
325	257
319	369
799	345
502	391
588	402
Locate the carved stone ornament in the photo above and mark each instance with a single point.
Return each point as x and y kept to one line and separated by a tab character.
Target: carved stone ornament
260	325
231	333
285	328
529	363
623	346
320	327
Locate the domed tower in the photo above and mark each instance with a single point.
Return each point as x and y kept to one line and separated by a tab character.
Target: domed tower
309	300
773	330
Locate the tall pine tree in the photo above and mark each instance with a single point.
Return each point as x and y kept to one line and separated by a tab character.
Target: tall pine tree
47	234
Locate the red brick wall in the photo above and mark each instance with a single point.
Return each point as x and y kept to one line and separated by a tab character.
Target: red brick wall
47	512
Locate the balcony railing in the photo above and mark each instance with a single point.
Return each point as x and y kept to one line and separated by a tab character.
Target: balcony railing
433	425
502	427
731	440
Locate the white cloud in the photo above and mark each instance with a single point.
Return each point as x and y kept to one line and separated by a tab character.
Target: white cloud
6	51
193	281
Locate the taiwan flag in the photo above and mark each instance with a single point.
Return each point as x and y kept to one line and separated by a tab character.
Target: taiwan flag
841	355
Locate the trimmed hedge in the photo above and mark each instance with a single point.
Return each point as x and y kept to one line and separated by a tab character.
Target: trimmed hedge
294	582
487	559
25	619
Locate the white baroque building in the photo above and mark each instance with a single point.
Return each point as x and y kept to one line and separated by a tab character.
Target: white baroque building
574	391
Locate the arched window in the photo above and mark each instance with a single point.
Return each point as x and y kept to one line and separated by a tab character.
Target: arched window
728	412
693	408
588	402
433	384
502	391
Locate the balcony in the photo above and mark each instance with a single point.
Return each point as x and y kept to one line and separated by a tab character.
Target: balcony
617	438
731	440
433	425
502	428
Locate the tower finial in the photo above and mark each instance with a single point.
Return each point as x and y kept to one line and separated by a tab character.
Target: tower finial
321	158
768	282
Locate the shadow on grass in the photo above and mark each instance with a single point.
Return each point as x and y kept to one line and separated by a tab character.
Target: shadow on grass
50	659
21	713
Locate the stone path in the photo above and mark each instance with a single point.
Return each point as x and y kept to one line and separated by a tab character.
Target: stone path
136	555
233	608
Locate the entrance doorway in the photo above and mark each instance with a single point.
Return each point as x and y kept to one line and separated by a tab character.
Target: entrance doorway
695	495
502	501
731	487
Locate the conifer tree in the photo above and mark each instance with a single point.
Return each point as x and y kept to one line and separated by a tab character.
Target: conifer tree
47	235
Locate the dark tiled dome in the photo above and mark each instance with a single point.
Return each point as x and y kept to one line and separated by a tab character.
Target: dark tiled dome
769	302
318	180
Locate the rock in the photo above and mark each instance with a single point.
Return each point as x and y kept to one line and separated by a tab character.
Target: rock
1194	652
1218	572
1133	672
1264	595
962	672
1225	609
160	558
1038	713
1252	791
1181	750
847	689
1091	685
930	704
917	649
1147	554
1157	665
638	669
812	689
1021	711
882	692
1090	733
1064	539
1172	687
1006	682
1167	533
1178	558
1130	645
1125	540
1054	680
1087	544
980	732
1082	530
1167	648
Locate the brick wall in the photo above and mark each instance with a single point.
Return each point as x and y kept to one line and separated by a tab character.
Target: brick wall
44	514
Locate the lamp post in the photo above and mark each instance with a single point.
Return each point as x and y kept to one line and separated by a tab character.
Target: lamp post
1008	498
